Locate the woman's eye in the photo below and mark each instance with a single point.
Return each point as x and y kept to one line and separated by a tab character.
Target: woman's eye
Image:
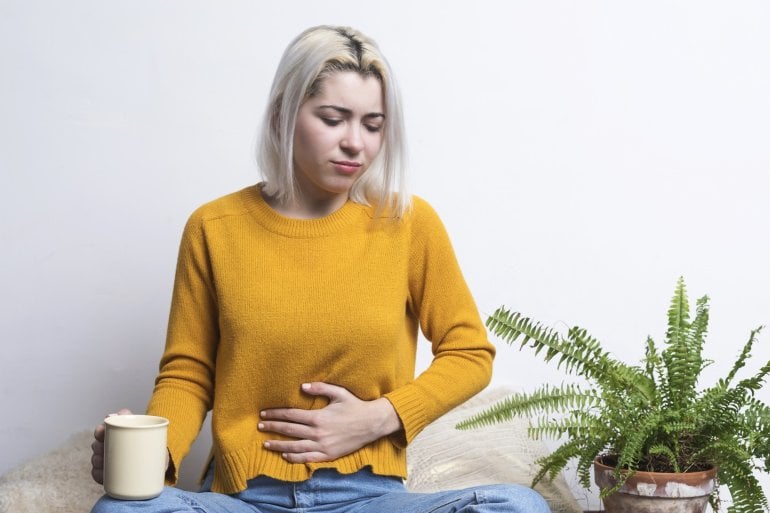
373	128
331	122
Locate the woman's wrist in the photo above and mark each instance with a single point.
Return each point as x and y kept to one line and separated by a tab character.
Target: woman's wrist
389	421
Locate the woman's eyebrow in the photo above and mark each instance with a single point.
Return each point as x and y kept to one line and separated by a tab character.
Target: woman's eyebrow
347	112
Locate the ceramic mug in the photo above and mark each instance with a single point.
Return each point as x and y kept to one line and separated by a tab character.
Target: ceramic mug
135	456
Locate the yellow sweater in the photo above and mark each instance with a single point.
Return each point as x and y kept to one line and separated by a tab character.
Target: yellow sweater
264	303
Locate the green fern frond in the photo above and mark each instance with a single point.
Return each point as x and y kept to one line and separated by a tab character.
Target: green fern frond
699	325
543	400
579	353
575	425
509	326
656	373
512	326
652	360
754	429
678	314
583	449
727	450
682	356
594	445
553	463
745	354
747	494
666	452
756	381
637	439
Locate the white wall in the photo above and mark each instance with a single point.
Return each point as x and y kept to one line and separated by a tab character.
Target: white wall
582	154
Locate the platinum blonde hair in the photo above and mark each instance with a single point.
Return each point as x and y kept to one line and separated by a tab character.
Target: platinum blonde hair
313	55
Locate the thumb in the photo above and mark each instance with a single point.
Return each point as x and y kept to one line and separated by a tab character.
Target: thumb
333	392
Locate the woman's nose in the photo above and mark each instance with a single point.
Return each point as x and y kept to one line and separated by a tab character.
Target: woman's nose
352	141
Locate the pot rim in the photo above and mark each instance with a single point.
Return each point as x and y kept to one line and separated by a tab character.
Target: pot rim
671	476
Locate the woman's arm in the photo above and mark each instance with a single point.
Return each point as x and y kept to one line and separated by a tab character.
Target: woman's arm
439	298
185	384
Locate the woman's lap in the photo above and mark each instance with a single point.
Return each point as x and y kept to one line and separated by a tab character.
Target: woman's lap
331	492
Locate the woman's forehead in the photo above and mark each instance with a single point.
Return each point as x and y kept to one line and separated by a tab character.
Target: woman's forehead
350	90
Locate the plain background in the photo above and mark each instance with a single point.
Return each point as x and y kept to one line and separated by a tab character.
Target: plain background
583	155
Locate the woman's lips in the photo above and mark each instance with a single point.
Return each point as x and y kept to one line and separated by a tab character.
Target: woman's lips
346	167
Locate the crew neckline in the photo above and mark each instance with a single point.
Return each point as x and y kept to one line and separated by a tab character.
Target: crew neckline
278	223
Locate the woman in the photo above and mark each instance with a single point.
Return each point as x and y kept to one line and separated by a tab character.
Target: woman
296	308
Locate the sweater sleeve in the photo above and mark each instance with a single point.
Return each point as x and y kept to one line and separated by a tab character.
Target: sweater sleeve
184	386
440	299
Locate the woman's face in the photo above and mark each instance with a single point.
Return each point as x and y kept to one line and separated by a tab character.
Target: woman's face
337	135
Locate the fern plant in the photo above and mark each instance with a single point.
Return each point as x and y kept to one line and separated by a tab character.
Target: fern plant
652	416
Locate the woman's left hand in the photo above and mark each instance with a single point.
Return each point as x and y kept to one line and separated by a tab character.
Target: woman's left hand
345	425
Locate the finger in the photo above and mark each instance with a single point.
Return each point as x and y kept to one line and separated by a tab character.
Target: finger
99	432
98	475
97	447
97	461
290	429
305	457
291	447
333	392
293	415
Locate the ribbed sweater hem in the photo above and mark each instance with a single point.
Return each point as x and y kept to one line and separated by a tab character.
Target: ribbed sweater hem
234	469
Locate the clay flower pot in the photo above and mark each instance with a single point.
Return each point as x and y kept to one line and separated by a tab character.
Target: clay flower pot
656	492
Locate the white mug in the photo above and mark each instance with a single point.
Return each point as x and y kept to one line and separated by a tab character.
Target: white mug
135	456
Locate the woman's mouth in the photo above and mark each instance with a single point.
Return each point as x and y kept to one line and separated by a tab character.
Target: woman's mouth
346	167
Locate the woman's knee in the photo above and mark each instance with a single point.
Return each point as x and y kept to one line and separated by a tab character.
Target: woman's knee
169	500
109	505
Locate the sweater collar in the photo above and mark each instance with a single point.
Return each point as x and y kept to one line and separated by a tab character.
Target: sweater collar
345	216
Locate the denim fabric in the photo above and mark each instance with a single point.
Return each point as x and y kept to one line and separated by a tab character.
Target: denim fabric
327	491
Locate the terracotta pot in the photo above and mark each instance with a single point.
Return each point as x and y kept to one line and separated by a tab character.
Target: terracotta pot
656	492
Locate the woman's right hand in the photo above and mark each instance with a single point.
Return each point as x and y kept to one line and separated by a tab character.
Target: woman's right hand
97	459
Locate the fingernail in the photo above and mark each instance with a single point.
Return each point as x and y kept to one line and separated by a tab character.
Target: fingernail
267	445
305	386
260	426
261	414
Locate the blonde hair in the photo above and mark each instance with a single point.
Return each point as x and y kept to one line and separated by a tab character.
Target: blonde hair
313	55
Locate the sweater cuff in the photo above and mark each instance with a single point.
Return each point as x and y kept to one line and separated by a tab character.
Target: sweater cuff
409	407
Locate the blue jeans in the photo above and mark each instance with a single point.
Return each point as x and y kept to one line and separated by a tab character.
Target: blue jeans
327	491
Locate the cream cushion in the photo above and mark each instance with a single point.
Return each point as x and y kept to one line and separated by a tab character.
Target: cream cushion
56	482
440	458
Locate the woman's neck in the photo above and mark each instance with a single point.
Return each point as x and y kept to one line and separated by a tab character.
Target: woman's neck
304	208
